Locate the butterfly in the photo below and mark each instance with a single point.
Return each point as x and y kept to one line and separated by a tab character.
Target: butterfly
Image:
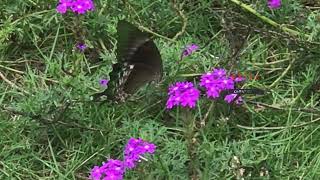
139	62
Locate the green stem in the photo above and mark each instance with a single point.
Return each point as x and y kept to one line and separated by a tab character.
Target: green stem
190	132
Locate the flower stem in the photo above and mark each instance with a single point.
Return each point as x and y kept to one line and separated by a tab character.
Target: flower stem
190	132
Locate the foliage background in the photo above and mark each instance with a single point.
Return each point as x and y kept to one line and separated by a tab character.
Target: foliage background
42	139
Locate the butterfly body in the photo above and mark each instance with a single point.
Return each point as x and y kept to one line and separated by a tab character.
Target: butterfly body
139	62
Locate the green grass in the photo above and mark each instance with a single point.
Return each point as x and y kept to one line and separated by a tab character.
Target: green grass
274	136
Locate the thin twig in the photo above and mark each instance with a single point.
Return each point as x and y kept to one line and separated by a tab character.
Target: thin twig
51	121
7	80
203	121
12	84
278	127
269	21
21	72
283	74
154	33
184	20
64	70
18	61
157	34
305	110
312	7
11	69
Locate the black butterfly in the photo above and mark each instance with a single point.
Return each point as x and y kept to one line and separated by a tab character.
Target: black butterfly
139	62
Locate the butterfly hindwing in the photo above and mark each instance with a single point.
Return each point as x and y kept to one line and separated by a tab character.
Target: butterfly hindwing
140	75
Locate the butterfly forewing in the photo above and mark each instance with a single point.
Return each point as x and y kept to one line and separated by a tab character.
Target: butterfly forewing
129	39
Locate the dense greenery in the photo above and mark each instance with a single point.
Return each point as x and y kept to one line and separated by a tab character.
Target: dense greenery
49	128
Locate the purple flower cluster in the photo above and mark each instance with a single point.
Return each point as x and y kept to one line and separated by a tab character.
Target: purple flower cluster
216	81
184	94
134	149
273	4
115	169
76	6
189	50
112	170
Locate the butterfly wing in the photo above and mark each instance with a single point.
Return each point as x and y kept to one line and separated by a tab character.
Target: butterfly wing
139	61
129	39
136	48
147	67
139	76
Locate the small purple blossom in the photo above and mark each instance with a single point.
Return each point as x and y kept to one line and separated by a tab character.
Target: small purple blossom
230	98
274	4
184	94
81	47
226	83
239	79
76	6
103	82
213	92
189	50
219	73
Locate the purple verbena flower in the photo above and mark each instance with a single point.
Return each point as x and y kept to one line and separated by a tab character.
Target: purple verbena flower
112	170
103	82
207	80
184	94
81	47
226	83
134	149
213	92
216	81
239	79
130	163
273	4
96	173
115	169
88	4
82	6
189	50
77	6
230	98
63	6
150	148
219	73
